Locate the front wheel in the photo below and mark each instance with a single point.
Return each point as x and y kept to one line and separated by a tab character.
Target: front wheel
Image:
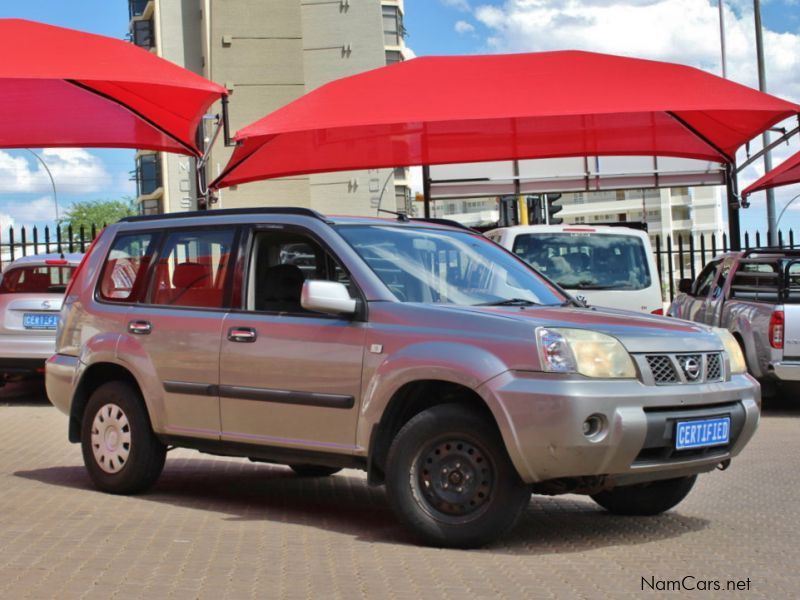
120	450
646	499
449	479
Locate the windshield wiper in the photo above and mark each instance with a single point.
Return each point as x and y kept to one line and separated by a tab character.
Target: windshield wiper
510	302
591	286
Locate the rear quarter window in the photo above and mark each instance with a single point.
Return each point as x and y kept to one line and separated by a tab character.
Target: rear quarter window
126	267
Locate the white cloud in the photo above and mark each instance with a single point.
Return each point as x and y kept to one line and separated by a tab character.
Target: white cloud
6	221
40	210
464	27
462	5
75	171
682	31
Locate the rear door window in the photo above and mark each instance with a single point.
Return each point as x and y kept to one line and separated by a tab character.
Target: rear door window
192	268
126	267
47	279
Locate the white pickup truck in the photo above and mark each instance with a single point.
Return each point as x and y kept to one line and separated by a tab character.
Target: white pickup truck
755	294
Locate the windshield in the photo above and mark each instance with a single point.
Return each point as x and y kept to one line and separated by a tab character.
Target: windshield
587	261
447	267
36	280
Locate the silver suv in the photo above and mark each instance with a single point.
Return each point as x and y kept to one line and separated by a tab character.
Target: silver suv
424	354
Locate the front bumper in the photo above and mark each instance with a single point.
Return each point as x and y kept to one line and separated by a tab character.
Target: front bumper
542	416
60	373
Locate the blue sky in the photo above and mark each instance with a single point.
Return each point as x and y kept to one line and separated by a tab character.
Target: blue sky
684	31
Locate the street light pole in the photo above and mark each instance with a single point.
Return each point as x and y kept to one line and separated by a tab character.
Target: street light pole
772	234
52	181
780	216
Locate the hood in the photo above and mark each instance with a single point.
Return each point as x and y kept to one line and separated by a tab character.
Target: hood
638	332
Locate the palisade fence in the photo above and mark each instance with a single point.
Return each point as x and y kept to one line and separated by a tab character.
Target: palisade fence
683	257
678	257
26	241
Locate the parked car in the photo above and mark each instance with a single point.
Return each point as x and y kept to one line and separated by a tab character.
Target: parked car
31	291
755	294
426	355
604	266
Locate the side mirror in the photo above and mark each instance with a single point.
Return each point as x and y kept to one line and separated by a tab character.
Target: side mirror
330	297
685	286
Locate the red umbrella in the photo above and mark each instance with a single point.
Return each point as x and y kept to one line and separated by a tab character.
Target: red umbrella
60	87
452	109
784	174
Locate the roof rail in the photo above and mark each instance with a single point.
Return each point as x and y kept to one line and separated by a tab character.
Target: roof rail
267	210
771	250
448	222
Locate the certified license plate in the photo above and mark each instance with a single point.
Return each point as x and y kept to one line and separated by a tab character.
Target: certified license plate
703	433
39	321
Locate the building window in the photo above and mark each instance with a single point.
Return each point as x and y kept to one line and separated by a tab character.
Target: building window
580	219
143	34
393	57
392	26
148	174
136	8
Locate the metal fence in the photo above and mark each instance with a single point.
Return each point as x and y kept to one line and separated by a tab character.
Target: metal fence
27	241
684	256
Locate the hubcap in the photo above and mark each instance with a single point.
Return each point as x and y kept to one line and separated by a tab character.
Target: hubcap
111	438
455	477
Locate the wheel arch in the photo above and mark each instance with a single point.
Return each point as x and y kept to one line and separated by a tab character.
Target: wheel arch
92	378
408	401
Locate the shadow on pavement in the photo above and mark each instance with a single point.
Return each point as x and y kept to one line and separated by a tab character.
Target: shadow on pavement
348	505
29	392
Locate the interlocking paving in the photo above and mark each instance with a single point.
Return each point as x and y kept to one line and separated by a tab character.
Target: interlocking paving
228	528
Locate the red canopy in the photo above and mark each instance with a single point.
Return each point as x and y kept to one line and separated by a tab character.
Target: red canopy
60	87
451	109
784	174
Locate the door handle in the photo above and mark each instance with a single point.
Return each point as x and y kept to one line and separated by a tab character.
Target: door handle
242	334
140	327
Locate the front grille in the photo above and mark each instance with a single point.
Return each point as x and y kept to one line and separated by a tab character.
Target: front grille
713	367
662	369
668	369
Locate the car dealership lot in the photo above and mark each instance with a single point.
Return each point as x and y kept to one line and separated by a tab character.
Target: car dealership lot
216	527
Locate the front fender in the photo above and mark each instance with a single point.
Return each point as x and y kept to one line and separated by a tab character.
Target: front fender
452	362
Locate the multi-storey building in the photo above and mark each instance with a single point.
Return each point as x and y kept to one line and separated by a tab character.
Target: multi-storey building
267	53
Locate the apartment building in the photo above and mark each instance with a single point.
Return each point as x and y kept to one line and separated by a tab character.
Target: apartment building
267	53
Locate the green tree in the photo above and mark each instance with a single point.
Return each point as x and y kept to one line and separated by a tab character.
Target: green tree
97	212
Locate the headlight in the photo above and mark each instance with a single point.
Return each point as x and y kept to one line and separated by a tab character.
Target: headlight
586	352
733	350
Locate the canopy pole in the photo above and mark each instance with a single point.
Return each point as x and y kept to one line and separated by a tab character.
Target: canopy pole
226	128
733	206
426	190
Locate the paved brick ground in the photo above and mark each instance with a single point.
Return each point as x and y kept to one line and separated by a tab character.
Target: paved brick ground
219	528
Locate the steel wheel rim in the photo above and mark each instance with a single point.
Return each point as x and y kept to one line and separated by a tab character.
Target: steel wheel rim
454	478
111	438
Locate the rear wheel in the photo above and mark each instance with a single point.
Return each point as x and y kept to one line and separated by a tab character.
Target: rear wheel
314	470
449	479
646	499
120	450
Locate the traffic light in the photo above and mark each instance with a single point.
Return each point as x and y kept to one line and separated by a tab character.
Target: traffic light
508	211
535	209
552	209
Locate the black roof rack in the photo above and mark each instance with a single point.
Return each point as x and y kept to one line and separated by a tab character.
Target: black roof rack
267	210
772	250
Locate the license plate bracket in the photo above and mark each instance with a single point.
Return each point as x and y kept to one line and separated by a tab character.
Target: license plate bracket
702	433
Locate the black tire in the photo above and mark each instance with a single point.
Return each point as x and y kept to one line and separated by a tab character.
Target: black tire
450	445
646	499
314	470
129	435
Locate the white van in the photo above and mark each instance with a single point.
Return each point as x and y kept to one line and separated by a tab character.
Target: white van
605	266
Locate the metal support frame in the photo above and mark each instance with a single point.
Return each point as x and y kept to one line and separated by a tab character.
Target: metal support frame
777	142
426	190
732	193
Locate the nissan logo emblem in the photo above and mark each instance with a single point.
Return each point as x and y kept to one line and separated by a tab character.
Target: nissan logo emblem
692	368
